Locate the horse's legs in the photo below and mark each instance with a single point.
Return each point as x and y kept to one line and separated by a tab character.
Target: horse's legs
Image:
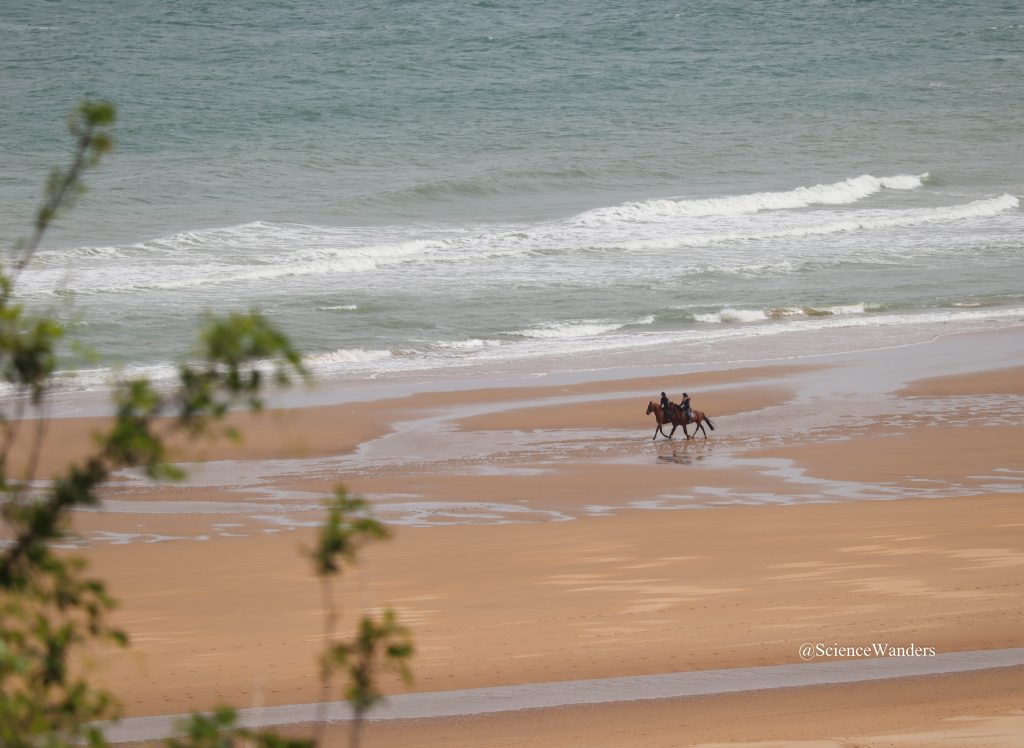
674	427
656	430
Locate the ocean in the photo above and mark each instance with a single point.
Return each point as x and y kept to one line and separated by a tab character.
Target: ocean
442	188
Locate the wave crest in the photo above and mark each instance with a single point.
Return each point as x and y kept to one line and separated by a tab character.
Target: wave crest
580	328
732	315
729	314
874	220
347	356
838	193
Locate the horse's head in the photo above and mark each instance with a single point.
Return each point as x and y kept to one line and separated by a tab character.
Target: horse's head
650	407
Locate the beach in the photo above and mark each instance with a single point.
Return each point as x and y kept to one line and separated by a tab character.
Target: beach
494	235
541	535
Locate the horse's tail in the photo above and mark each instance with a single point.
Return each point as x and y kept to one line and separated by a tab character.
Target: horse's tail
710	423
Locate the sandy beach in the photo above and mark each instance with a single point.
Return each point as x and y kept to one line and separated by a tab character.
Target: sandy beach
540	535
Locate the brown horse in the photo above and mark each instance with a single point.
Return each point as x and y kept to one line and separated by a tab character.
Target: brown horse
678	419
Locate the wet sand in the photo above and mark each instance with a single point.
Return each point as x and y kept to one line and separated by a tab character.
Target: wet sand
339	428
972	710
427	708
540	535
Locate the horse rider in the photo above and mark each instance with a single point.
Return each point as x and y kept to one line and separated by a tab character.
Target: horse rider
685	405
666	405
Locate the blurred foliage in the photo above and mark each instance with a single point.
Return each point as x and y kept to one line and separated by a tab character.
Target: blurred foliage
348	527
218	730
380	645
50	609
377	646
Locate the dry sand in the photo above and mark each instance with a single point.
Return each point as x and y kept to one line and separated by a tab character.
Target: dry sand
511	595
644	592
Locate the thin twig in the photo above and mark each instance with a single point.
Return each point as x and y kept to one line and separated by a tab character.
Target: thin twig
326	672
53	204
357	727
11	428
42	423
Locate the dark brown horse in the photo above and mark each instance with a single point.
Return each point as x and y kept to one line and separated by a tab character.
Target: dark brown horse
677	418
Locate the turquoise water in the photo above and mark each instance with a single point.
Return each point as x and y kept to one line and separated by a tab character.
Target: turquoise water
411	185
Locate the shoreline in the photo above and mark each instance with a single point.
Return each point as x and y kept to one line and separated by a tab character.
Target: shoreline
292	415
808	347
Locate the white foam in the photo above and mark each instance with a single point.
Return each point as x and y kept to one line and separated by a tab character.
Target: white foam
333	262
842	309
825	311
838	193
465	345
347	356
732	315
747	324
574	329
585	328
164	374
863	221
338	308
88	380
62	256
256	251
754	268
717	334
262	253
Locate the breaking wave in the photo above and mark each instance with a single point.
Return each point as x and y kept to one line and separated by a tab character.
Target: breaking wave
347	356
578	328
865	222
729	314
838	193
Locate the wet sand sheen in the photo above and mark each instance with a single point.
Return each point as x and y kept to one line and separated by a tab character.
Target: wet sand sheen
329	429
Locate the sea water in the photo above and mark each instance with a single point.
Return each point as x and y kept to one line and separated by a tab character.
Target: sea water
410	187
